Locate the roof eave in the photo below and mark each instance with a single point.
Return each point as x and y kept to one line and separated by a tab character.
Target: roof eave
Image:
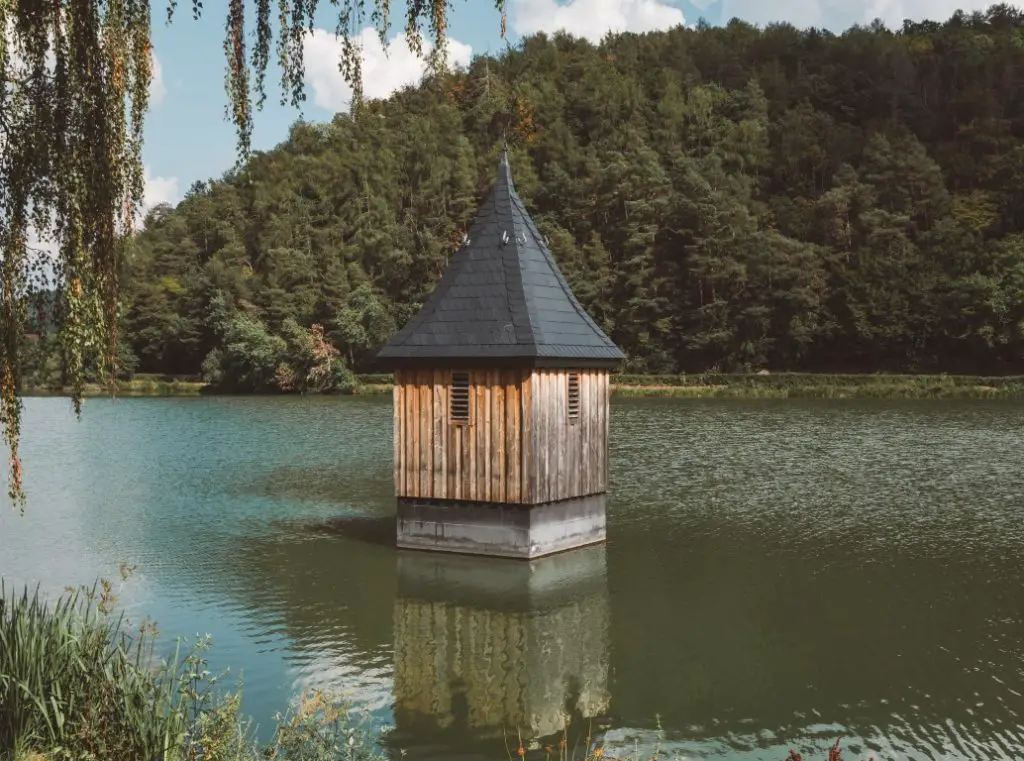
398	360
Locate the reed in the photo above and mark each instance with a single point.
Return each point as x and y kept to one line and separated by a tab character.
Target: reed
77	682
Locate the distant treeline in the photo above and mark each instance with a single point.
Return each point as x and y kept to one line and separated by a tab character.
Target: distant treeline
721	199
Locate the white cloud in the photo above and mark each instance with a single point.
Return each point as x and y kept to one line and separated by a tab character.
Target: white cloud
593	19
837	15
160	190
383	72
157	87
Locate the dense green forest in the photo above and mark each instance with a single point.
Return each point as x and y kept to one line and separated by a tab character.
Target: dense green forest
721	199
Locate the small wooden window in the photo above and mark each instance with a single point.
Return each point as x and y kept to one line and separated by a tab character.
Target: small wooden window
459	401
574	397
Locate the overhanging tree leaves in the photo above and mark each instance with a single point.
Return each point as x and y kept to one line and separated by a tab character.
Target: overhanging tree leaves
74	84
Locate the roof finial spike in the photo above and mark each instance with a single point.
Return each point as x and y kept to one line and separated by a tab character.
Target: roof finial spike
506	127
504	168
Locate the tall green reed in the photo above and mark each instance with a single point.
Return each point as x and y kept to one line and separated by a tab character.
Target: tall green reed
77	680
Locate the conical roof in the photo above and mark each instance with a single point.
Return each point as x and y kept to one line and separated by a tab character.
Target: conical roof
502	299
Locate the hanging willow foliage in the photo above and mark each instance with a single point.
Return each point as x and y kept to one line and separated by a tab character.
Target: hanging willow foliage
74	90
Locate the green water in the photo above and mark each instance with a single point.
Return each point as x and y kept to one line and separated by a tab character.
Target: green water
777	573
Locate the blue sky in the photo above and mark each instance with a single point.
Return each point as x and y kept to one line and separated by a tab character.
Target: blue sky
188	139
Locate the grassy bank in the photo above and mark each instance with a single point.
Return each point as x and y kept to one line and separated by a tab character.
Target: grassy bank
77	682
142	386
796	386
739	386
821	386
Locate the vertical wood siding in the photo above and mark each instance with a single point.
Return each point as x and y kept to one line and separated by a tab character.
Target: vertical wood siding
437	458
571	457
519	445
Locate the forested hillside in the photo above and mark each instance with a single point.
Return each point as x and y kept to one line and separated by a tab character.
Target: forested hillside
720	198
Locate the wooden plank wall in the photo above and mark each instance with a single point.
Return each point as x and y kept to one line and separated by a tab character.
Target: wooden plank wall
436	458
518	447
570	459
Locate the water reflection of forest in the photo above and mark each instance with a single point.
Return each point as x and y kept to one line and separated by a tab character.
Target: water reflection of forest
485	647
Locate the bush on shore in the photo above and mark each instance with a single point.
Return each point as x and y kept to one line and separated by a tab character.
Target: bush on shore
77	682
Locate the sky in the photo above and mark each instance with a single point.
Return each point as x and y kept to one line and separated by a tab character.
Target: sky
187	137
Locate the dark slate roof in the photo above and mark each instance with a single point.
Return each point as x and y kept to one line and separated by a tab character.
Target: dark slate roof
502	300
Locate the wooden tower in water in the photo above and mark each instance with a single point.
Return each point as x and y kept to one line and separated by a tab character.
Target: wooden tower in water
501	399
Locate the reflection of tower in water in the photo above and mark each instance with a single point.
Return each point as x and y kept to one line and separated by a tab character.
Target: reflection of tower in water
489	646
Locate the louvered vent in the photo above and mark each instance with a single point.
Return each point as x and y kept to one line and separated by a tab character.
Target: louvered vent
459	401
574	397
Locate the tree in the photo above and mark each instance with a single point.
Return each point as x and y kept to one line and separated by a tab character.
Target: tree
74	88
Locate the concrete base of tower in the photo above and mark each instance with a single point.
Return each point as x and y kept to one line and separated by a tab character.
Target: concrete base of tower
501	530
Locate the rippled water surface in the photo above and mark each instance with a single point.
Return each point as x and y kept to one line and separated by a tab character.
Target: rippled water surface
777	573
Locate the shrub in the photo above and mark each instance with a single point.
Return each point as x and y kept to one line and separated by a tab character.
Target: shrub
76	681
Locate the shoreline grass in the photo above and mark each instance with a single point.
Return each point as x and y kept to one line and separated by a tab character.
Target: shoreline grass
78	682
821	386
693	386
140	387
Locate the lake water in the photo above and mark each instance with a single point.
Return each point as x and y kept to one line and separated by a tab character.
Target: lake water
777	573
